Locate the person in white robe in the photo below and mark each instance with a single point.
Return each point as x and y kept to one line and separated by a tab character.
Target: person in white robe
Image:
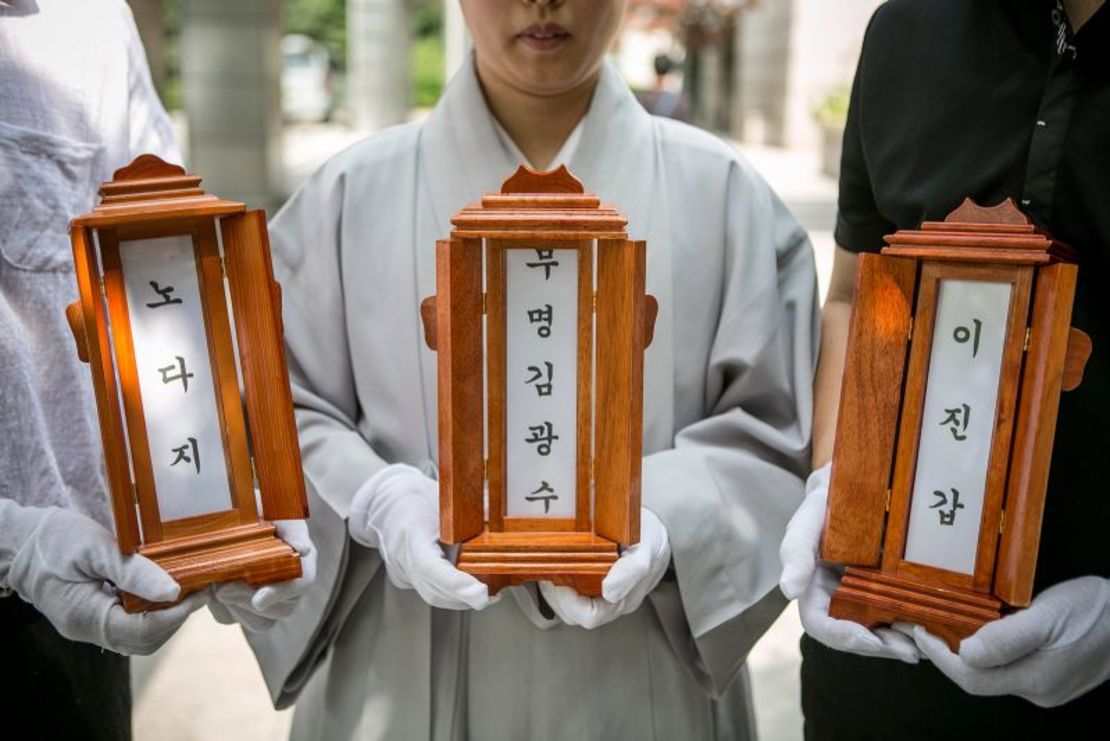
727	418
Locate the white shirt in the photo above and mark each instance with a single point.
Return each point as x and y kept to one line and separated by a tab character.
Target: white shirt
76	103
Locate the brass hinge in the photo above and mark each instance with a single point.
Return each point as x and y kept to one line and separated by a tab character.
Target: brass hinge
886	504
1028	334
593	302
485	306
134	493
103	291
909	332
1001	521
485	469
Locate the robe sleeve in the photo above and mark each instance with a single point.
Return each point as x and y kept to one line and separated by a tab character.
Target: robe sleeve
337	459
728	487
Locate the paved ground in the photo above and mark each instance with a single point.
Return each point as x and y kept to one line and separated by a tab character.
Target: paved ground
204	684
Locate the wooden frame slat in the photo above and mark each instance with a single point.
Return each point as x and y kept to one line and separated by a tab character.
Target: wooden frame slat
120	320
459	340
256	301
1054	294
537	524
867	422
497	469
621	280
99	350
585	460
229	406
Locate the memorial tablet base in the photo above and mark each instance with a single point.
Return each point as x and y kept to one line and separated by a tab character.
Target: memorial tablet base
253	554
873	598
578	560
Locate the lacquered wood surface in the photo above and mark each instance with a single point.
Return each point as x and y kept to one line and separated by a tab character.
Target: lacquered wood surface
269	399
459	339
621	276
870	402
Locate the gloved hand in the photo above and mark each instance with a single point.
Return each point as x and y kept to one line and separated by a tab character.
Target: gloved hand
630	579
813	585
1049	653
258	609
397	512
61	561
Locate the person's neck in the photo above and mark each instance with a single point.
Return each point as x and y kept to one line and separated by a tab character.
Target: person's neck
538	124
1081	11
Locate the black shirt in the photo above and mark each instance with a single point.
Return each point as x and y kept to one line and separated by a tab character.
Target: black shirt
989	99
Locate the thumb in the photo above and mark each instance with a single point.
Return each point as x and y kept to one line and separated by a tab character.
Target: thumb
798	551
142	577
630	569
1004	641
138	575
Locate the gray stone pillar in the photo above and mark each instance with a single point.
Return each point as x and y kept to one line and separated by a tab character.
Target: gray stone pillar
378	76
148	19
231	84
456	39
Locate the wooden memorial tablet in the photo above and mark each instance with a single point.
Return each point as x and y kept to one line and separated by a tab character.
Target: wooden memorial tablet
178	311
959	348
540	321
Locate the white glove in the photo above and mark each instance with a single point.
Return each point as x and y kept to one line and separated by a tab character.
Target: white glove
630	579
69	567
1049	653
258	609
397	512
813	585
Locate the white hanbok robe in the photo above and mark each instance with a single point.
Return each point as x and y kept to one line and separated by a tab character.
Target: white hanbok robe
727	417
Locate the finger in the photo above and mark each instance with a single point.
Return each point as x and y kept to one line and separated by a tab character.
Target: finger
295	533
1004	641
143	633
251	620
282	597
239	602
633	567
220	612
230	603
971	680
798	551
135	574
571	607
266	598
574	609
234	594
843	635
280	609
442	585
899	646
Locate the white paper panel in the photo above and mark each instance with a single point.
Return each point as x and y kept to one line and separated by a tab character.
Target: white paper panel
541	368
958	423
175	377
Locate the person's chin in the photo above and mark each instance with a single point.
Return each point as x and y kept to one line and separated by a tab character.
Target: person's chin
550	76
